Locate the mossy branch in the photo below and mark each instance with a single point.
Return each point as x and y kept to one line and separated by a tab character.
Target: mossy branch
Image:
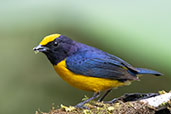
146	103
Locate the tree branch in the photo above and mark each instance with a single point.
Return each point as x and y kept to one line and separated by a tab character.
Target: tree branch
139	103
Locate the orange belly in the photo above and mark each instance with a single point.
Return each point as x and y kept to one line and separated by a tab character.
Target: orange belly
87	83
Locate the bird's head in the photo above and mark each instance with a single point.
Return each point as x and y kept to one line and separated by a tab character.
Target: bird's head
56	47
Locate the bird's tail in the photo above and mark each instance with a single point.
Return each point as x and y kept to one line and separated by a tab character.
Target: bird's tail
148	71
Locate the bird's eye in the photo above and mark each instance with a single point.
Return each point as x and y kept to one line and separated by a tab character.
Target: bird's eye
55	44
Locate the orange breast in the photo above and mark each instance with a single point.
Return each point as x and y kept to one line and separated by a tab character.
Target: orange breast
87	83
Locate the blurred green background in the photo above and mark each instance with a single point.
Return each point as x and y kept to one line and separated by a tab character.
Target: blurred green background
137	31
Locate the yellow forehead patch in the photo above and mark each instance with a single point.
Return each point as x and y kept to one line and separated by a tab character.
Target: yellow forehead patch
49	38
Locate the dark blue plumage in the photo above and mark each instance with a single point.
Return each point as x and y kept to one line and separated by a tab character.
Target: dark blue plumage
90	61
148	71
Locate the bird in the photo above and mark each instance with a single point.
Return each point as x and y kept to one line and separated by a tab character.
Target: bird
88	68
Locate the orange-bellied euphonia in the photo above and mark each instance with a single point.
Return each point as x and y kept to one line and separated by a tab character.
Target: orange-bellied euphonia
86	67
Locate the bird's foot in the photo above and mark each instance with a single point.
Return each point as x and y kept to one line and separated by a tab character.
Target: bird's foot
81	106
112	101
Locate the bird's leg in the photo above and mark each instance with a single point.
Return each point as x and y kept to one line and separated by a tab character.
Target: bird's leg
95	95
107	92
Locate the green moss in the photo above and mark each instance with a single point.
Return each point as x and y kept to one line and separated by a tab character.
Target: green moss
102	108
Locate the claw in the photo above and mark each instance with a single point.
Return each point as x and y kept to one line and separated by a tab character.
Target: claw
112	101
82	107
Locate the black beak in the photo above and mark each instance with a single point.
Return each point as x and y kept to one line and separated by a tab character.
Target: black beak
40	48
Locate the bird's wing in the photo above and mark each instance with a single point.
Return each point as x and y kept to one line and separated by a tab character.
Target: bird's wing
99	65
